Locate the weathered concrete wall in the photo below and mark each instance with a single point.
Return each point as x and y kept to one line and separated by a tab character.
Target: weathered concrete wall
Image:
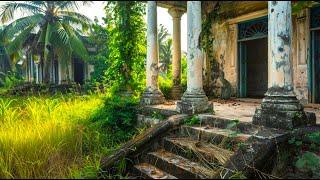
300	54
225	53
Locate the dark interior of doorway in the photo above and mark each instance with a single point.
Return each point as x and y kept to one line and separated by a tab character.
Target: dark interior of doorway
315	67
78	71
257	67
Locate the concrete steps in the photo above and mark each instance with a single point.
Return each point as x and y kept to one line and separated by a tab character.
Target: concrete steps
214	147
179	166
147	171
205	153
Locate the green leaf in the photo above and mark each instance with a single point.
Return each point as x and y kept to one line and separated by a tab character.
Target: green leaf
18	41
233	124
308	161
292	140
298	143
47	41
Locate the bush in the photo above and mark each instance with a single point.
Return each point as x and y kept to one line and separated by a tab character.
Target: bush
165	85
9	80
118	115
166	81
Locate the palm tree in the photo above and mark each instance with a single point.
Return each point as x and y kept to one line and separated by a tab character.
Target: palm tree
165	55
165	45
4	58
51	28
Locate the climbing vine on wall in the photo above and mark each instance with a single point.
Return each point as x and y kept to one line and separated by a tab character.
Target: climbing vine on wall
206	43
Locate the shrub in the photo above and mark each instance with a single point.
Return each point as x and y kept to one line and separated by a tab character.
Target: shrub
166	81
118	115
165	85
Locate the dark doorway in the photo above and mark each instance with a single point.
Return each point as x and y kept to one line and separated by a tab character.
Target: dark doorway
78	68
253	58
314	64
257	67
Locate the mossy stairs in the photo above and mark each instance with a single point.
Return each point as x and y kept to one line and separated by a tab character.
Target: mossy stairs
214	148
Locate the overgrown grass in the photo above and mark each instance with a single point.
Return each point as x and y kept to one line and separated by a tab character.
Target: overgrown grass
52	137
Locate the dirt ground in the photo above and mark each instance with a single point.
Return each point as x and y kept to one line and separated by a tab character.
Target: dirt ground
241	108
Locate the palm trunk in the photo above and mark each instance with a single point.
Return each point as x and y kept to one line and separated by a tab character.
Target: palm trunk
47	64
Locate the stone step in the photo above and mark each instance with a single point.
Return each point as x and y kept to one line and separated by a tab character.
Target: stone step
225	138
158	110
243	127
148	120
204	153
148	171
178	166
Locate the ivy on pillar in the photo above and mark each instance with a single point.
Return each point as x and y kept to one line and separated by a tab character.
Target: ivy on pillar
176	52
152	94
194	100
280	108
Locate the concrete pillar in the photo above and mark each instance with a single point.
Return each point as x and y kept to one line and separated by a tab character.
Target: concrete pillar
280	108
194	99
152	94
176	52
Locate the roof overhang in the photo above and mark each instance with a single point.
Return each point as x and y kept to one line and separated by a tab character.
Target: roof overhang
173	4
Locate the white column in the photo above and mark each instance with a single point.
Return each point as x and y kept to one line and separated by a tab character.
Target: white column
176	52
194	99
195	56
280	108
279	45
152	94
152	47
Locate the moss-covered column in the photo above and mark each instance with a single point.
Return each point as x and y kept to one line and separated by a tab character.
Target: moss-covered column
194	100
152	94
176	52
280	108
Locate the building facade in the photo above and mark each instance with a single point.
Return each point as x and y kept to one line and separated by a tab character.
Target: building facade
78	70
237	63
252	49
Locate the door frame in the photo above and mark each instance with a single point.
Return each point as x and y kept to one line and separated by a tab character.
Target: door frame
242	52
314	88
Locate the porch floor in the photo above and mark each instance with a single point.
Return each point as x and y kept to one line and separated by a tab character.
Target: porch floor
242	108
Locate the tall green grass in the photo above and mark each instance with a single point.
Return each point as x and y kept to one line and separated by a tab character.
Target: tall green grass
48	137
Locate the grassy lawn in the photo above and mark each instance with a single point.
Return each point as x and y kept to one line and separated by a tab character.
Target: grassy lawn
51	137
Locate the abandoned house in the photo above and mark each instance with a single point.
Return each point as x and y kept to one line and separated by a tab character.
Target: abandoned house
79	70
258	49
244	49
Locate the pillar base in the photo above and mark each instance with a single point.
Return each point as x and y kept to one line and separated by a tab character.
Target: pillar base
176	92
282	112
194	103
152	97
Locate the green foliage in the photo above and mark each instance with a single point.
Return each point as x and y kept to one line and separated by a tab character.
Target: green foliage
100	37
309	162
165	86
233	124
306	153
42	137
194	120
165	46
127	51
158	115
238	175
166	81
56	30
299	5
117	115
314	137
9	80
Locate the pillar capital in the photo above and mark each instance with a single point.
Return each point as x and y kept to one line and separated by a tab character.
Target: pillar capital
176	12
